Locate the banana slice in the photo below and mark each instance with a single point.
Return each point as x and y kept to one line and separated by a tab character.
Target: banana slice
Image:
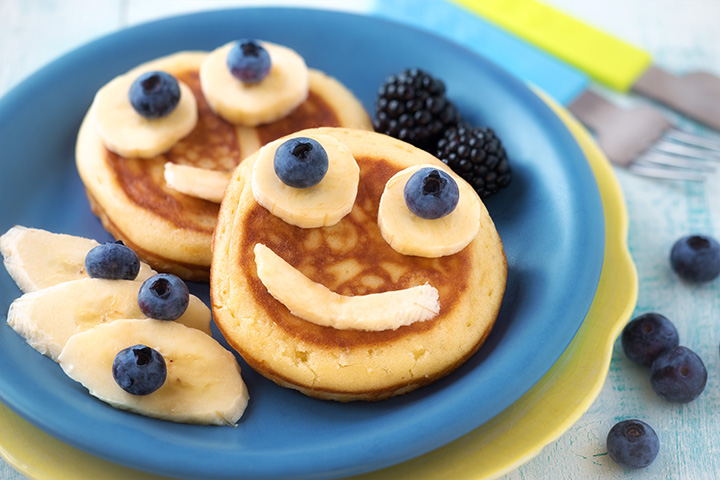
285	87
197	182
203	384
315	303
322	205
129	134
47	318
36	258
409	234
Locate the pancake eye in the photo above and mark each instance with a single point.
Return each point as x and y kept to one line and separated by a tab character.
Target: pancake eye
309	182
428	211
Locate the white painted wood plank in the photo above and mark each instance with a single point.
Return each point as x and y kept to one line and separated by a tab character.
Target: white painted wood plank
681	35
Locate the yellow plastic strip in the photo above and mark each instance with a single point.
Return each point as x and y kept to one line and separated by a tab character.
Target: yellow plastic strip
604	58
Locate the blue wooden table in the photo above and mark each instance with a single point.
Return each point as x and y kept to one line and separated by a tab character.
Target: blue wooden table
681	35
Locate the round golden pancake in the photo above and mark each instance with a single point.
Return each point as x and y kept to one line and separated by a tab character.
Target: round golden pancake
351	258
169	230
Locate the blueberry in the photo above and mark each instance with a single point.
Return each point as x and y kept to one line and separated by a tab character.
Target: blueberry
154	94
139	370
678	375
113	261
248	61
696	258
633	444
301	162
163	296
431	193
647	336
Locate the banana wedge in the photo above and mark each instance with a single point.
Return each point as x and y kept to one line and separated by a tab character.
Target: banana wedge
322	205
36	258
197	182
47	318
286	86
203	384
409	234
315	303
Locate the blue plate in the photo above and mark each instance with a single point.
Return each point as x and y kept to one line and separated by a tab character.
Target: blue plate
550	220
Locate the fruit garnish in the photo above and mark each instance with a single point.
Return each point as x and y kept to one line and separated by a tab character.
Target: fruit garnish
678	375
139	370
37	259
647	336
477	155
113	261
411	234
248	61
316	303
321	205
696	258
431	193
140	114
163	296
154	94
285	86
412	107
300	162
203	385
196	181
633	444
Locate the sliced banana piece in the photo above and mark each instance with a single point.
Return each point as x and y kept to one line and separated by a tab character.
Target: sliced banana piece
197	182
36	258
47	318
285	87
203	384
315	303
409	234
127	133
322	205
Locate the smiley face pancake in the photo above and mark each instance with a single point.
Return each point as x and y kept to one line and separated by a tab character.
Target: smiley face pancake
337	312
126	185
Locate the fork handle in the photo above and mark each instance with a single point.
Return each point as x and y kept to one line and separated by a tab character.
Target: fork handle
604	58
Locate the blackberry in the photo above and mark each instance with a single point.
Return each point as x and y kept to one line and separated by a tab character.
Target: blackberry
412	106
477	155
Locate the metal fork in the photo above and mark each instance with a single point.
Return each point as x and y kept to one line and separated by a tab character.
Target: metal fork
644	141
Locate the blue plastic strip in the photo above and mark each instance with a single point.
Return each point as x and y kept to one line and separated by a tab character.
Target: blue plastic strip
559	80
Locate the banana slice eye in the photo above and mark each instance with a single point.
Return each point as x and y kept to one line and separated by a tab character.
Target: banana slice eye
253	103
152	129
322	204
452	219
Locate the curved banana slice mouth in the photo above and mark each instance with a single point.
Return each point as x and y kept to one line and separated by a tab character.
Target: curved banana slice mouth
197	182
315	303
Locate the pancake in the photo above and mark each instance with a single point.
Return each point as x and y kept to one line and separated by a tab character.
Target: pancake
351	258
169	230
